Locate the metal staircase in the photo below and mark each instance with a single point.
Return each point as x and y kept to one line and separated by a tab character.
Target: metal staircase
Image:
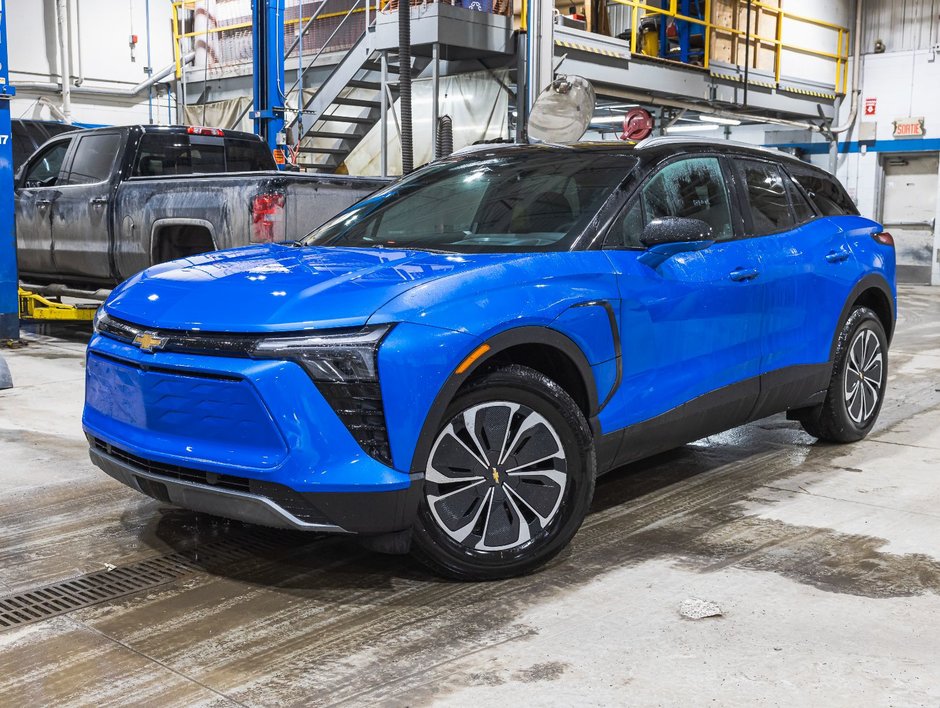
346	106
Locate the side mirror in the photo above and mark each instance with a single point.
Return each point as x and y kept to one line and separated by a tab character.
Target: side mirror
670	235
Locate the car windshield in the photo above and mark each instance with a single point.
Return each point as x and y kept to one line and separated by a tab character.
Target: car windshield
519	201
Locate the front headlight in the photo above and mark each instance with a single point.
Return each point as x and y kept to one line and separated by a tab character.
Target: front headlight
100	315
337	357
344	367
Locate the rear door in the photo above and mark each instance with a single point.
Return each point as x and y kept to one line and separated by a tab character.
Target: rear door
81	224
39	188
690	326
808	272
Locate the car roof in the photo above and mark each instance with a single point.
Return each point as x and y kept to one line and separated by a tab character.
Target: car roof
653	149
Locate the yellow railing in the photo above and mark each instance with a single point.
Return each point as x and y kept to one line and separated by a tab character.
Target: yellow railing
839	56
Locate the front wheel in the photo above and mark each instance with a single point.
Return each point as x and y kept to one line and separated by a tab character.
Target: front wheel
509	478
859	378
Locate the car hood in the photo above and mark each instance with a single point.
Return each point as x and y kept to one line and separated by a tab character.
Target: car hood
276	287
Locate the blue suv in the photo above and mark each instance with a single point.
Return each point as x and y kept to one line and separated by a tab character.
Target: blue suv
446	366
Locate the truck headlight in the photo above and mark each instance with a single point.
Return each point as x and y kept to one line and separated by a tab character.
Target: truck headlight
344	367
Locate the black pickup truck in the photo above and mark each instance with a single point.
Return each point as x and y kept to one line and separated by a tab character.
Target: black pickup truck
93	207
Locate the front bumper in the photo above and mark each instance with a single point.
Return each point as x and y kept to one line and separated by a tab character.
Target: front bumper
245	439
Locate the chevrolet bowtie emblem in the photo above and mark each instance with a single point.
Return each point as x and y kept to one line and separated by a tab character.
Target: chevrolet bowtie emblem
149	342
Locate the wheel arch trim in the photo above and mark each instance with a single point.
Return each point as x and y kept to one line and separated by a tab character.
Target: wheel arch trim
872	281
499	343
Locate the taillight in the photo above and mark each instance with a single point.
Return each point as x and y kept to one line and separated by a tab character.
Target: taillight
201	130
883	237
267	218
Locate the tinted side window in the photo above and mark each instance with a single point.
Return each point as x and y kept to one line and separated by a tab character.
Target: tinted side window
247	156
161	154
767	196
93	158
825	192
694	189
628	227
801	208
44	171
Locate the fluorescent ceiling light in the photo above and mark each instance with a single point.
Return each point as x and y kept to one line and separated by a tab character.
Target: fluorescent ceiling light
691	128
607	119
719	120
616	106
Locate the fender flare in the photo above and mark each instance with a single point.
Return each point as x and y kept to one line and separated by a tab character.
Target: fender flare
499	343
868	282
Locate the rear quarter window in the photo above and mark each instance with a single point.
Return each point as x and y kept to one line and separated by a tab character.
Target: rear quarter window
828	196
243	155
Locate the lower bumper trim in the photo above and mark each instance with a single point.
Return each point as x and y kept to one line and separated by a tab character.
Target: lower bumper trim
228	503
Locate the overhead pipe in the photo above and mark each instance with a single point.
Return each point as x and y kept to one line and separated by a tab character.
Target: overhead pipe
53	108
101	91
856	73
856	91
77	14
652	100
65	68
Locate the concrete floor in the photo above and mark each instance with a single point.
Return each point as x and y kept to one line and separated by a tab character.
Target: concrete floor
825	561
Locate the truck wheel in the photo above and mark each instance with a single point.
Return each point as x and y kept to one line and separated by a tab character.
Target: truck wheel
859	379
509	478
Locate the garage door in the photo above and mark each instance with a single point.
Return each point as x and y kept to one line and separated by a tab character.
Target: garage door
910	211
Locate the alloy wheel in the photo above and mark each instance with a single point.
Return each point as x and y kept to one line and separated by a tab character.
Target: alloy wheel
496	476
863	376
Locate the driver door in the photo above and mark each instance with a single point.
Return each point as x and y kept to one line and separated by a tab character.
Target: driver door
691	326
34	206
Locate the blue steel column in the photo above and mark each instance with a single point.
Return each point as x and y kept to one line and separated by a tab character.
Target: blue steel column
267	33
9	305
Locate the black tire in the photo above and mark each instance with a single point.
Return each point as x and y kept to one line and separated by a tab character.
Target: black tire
841	418
533	503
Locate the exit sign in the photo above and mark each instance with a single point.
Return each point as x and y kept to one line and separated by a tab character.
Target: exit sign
909	127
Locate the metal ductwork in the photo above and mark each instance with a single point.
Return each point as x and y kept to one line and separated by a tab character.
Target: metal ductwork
44	87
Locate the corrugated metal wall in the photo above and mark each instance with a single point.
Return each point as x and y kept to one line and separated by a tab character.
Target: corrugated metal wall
901	24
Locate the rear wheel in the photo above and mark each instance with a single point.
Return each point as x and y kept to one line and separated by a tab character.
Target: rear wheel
859	378
509	478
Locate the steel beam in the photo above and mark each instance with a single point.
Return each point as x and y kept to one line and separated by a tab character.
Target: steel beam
9	303
267	33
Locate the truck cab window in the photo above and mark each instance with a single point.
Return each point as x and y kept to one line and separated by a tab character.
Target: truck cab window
45	168
94	158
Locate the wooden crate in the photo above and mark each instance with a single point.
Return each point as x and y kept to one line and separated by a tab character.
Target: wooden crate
729	47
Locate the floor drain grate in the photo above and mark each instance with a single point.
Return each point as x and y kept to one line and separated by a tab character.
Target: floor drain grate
104	585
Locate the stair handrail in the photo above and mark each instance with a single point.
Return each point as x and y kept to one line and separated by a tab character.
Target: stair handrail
317	56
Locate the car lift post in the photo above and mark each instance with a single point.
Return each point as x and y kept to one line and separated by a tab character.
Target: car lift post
9	304
267	33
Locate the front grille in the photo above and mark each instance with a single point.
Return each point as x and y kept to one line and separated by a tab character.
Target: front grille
179	341
359	406
288	499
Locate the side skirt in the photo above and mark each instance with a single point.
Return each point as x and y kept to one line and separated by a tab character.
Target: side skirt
715	412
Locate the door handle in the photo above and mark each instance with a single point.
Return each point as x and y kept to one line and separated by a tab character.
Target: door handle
744	274
99	202
837	256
